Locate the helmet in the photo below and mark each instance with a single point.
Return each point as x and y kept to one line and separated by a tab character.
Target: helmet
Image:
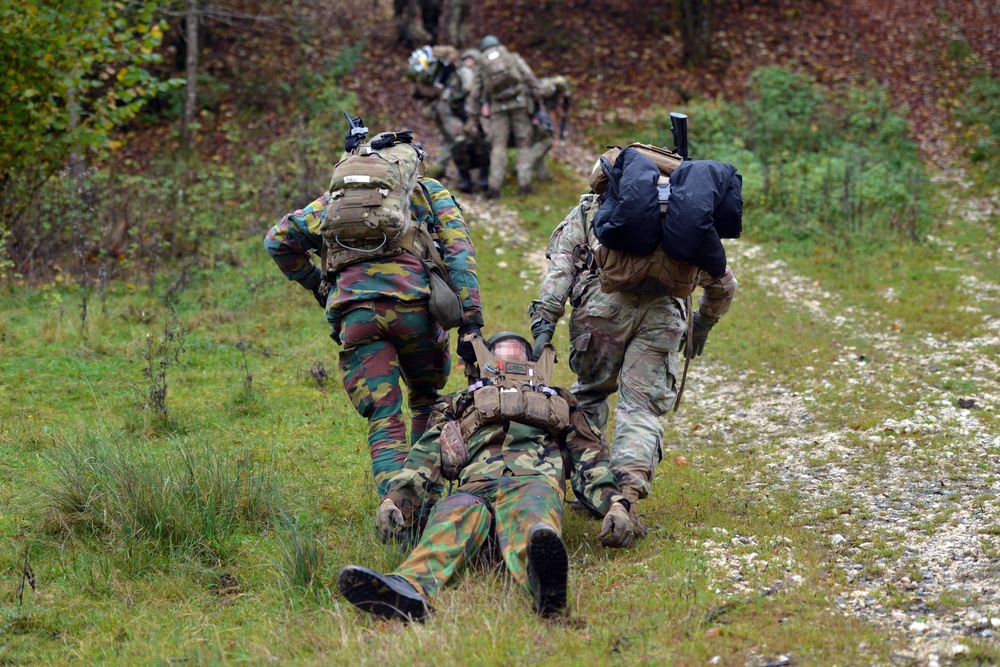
475	54
509	349
488	41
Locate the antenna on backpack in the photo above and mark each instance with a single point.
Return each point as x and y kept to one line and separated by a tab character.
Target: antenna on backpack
356	133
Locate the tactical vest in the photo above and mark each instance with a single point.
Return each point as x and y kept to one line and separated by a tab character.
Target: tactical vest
655	273
515	391
368	214
501	74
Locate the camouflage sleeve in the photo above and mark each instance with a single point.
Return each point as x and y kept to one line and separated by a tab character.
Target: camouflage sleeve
528	76
717	296
292	241
561	274
593	482
474	102
417	482
456	249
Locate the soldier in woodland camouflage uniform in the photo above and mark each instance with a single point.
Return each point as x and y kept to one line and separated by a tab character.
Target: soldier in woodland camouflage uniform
378	311
510	489
509	105
622	342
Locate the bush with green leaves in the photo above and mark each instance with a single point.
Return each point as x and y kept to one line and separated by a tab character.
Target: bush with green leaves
979	115
820	166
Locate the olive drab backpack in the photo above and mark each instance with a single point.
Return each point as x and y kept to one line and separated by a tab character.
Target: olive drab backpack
501	74
368	214
655	272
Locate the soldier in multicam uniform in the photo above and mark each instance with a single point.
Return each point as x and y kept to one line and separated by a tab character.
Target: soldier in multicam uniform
550	91
458	13
378	310
444	103
622	342
471	151
510	487
506	85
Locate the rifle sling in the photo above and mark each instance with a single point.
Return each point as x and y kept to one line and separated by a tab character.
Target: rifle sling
688	347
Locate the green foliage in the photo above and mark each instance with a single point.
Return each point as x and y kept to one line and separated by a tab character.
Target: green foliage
820	166
979	115
192	502
74	72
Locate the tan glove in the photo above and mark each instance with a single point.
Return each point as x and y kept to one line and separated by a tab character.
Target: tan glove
389	519
616	531
471	128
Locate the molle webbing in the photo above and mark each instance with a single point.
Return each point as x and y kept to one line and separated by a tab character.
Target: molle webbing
515	391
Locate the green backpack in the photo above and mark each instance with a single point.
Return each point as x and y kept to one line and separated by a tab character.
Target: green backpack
368	215
502	75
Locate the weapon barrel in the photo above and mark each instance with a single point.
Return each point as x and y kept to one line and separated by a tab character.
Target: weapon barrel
679	128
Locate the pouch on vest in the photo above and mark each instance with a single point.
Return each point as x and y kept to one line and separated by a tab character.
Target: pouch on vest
444	304
454	450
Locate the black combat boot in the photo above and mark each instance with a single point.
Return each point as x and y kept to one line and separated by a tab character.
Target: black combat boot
548	569
484	178
385	595
464	180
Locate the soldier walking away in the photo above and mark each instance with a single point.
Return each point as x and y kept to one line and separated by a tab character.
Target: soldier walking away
416	21
375	284
629	338
510	459
458	14
471	152
506	85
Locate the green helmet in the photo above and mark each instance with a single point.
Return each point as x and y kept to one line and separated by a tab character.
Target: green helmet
508	335
488	41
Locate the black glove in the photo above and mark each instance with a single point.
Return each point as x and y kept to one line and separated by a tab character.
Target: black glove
465	349
541	331
699	335
319	296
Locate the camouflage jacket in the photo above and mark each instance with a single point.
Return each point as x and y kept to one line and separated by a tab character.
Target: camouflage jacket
296	237
506	449
478	92
565	279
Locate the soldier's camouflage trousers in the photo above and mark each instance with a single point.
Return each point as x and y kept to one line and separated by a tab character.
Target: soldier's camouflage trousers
450	127
500	125
504	508
541	143
629	344
386	342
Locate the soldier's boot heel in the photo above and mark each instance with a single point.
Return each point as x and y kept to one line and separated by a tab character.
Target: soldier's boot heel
385	595
548	570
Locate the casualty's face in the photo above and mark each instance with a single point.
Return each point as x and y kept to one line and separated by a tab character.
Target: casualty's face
511	349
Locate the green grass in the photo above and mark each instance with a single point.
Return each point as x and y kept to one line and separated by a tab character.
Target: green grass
251	425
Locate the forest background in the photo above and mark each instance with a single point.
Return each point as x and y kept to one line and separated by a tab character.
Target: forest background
182	475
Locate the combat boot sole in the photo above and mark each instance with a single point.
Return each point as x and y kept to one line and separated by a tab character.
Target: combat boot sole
386	596
548	570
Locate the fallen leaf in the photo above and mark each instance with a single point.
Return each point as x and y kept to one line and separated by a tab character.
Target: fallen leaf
680	461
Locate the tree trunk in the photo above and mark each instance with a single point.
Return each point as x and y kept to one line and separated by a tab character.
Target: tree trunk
696	29
192	19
